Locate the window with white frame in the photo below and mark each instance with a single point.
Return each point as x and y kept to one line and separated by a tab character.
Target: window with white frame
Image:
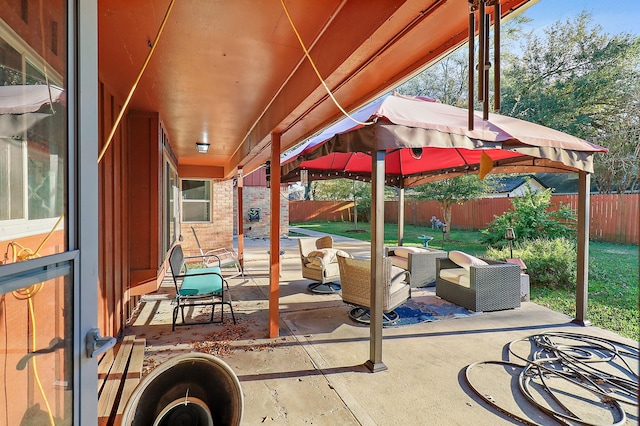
196	200
32	141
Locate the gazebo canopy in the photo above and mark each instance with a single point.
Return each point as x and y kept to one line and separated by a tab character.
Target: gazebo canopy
426	140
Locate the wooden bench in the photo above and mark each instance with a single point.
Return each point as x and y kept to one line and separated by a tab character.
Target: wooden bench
119	372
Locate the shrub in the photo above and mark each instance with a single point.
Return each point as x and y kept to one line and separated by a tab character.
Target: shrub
550	262
530	219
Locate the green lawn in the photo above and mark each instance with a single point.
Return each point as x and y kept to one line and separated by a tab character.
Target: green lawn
460	240
613	273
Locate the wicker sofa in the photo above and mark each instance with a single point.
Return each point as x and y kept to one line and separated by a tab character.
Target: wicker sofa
419	262
480	285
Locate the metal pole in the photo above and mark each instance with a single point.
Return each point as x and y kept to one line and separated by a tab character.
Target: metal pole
582	284
401	215
481	55
487	66
472	63
375	363
355	207
497	15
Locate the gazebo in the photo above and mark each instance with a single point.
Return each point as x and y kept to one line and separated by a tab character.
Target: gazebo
427	141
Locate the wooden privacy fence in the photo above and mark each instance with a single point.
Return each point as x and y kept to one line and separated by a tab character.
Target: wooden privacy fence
613	218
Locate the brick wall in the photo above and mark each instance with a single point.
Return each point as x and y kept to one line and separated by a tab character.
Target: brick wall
258	197
218	233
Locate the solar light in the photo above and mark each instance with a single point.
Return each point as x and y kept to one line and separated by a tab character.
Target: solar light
444	231
510	235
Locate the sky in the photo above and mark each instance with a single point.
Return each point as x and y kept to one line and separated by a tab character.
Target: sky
615	16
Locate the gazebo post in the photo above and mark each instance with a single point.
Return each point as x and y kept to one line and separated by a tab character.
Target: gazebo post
375	363
582	282
401	214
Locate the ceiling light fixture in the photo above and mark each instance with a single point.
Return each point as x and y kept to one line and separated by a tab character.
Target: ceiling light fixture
202	147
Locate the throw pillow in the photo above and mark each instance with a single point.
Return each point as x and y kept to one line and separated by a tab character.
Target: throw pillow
465	260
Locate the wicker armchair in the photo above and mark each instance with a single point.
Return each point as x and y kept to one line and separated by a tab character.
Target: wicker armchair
492	287
355	276
325	274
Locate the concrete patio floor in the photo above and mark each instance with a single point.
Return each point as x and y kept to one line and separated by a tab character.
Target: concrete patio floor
314	373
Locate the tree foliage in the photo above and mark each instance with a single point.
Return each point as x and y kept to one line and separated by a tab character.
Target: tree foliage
453	191
445	81
572	77
339	189
531	219
550	262
577	79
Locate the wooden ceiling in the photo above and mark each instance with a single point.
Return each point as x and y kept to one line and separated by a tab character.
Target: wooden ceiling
233	72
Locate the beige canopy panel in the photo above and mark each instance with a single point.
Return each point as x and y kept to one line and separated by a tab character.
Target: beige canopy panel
426	140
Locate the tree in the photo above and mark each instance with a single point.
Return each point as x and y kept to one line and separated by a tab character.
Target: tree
531	219
445	81
337	189
453	191
572	77
579	80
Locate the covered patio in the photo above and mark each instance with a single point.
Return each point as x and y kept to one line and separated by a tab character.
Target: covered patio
314	371
163	97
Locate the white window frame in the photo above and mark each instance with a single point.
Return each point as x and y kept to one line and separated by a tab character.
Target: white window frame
25	227
208	201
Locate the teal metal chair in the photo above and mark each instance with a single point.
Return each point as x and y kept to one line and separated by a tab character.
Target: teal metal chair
197	287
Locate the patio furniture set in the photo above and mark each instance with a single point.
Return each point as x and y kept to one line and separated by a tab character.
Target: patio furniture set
480	285
477	284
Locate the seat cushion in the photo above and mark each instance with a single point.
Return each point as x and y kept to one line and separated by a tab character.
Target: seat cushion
465	260
404	251
400	262
399	292
458	276
201	282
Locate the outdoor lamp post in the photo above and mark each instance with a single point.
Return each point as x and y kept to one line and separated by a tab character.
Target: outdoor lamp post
510	235
444	231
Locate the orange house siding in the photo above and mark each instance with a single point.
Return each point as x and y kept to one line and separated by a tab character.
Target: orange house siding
145	171
113	305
